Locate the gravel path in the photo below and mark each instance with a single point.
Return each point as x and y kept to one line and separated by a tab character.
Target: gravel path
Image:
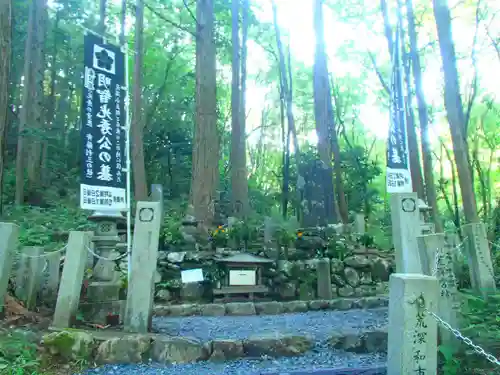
321	359
318	324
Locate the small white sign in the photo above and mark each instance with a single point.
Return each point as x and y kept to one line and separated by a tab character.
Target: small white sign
242	277
192	276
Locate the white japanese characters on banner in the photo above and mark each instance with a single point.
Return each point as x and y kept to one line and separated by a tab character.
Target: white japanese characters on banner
103	116
398	160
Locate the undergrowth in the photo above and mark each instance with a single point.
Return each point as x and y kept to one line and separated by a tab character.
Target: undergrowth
18	356
480	321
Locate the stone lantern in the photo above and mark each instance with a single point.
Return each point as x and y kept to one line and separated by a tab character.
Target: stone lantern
425	227
105	284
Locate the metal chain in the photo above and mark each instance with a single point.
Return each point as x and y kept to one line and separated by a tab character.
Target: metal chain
465	339
103	258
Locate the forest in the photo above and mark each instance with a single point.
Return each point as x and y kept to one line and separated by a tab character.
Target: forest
250	101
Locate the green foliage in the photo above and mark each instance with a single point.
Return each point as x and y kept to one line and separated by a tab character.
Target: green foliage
47	226
451	364
18	355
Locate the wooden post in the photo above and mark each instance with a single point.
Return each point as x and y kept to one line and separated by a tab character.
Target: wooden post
405	229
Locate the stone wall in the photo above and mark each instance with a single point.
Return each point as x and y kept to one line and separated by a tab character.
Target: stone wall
361	274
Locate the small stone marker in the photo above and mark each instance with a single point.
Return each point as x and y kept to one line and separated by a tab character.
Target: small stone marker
51	277
480	265
412	337
323	270
359	224
405	229
71	279
29	275
143	266
448	305
9	237
157	196
429	246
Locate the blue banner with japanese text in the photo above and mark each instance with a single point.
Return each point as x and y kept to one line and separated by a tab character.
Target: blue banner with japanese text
102	184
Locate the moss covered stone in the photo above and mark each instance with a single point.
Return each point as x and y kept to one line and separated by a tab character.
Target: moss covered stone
70	345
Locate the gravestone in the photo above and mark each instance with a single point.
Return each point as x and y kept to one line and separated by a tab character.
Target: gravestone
405	229
143	267
29	275
480	265
412	335
71	279
323	270
317	203
9	237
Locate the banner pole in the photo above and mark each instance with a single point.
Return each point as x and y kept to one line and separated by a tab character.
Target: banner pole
127	145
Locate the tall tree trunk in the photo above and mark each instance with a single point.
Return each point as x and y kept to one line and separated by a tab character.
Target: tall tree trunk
423	116
25	113
38	70
50	114
454	109
138	164
239	185
101	27
5	57
205	174
123	15
325	123
287	94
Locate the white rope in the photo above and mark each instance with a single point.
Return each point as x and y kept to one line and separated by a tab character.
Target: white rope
103	258
44	254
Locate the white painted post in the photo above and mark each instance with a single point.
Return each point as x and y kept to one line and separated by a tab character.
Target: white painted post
71	279
480	265
143	267
9	239
405	229
412	336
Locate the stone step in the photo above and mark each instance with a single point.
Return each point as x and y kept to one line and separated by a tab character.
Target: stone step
344	371
269	308
121	348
